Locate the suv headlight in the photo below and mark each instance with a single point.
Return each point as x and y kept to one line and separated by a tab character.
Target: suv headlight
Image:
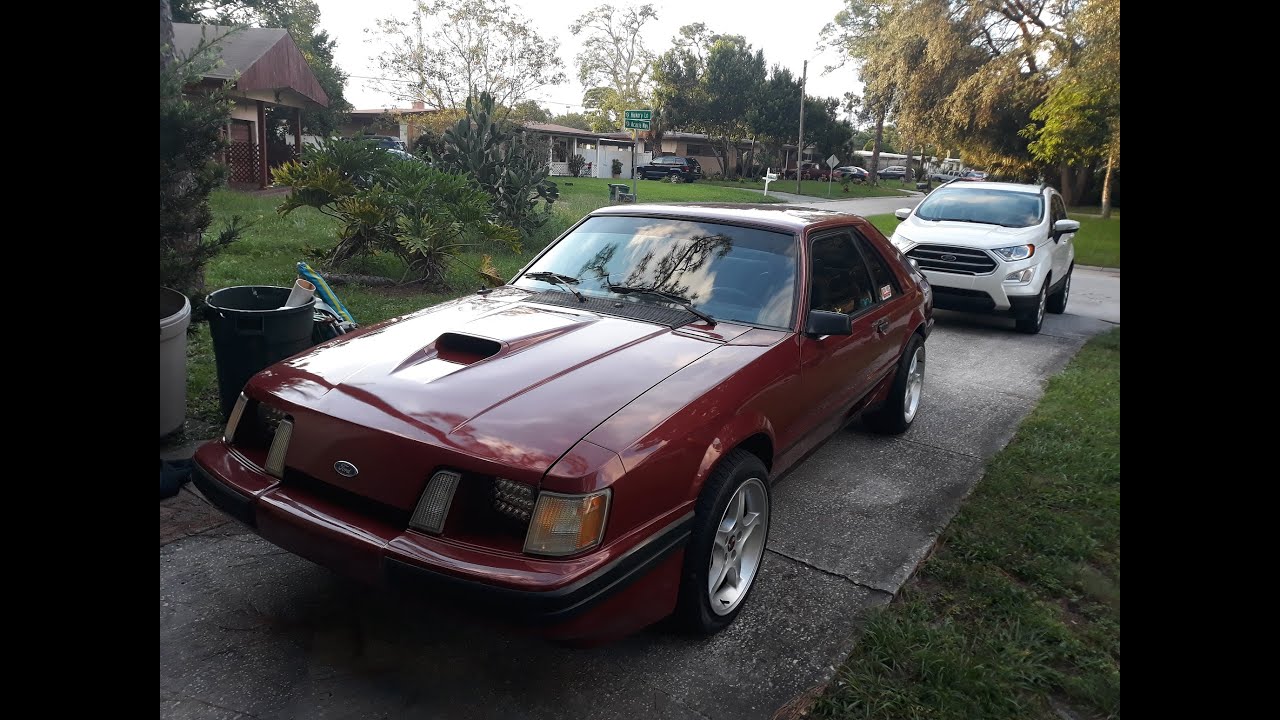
1015	252
566	524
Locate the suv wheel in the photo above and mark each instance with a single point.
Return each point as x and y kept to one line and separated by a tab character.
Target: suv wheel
1029	320
676	176
1058	300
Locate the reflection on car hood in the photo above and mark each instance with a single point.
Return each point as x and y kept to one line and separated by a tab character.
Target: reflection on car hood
964	234
557	373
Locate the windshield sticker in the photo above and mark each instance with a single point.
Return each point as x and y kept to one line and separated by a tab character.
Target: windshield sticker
886	292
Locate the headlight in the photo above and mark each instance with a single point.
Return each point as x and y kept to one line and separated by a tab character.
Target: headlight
1016	252
899	240
270	417
566	524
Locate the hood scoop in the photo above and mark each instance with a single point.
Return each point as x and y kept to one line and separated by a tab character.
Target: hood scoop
463	349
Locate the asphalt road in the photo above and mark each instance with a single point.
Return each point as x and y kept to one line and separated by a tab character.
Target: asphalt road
247	630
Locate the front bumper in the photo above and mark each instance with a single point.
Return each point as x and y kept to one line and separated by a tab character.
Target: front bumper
577	595
986	293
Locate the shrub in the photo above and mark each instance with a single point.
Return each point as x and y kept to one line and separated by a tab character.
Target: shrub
508	165
617	166
576	163
424	215
190	138
429	144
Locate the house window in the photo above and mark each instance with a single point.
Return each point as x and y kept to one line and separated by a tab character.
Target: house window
698	149
560	150
651	146
583	147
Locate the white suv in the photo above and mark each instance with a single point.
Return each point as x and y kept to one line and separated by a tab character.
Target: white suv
993	247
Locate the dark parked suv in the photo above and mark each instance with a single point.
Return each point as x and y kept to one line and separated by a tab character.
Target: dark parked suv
671	167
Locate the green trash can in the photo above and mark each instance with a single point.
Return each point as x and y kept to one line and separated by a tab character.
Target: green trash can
250	331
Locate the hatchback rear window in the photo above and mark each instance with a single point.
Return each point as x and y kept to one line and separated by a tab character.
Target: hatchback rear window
982	205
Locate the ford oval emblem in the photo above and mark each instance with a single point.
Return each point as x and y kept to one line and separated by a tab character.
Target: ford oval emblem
346	469
948	258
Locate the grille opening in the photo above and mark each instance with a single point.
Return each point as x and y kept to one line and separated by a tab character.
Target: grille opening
951	259
465	349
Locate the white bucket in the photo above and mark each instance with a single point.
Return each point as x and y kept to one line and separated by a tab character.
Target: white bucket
175	316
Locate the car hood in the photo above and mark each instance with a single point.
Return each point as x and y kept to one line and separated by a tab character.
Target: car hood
492	377
964	234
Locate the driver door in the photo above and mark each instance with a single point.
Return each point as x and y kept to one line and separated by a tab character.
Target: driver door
837	370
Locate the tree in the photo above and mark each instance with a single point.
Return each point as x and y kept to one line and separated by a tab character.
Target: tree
448	52
1079	121
714	95
191	126
302	19
614	64
528	111
573	120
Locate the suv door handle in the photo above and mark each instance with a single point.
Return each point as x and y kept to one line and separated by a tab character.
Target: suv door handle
882	325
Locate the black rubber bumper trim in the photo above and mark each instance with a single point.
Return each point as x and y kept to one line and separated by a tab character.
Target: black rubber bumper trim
1019	303
551	606
229	501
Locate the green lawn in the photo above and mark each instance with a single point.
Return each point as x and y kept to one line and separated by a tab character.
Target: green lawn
817	188
270	250
1017	612
1097	243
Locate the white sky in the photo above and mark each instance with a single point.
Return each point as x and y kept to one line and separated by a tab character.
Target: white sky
787	32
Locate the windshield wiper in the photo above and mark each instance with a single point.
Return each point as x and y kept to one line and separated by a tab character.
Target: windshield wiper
565	281
669	297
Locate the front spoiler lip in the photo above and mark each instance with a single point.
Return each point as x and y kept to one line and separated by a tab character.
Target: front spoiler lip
530	606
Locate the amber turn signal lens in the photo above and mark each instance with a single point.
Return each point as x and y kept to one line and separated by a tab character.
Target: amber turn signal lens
567	524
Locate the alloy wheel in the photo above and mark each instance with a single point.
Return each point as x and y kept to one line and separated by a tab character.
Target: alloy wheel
738	546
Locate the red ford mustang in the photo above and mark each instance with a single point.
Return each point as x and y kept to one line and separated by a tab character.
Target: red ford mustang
589	447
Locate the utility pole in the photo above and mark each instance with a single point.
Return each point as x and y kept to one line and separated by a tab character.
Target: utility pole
804	79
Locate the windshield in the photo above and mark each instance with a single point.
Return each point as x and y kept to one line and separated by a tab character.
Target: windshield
983	205
734	274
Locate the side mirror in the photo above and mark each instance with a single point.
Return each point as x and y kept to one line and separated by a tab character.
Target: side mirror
823	322
1064	226
902	213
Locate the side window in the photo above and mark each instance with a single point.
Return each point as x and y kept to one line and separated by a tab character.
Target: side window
840	280
883	283
1059	210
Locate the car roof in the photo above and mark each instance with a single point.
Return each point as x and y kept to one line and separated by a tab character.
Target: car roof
785	218
1010	187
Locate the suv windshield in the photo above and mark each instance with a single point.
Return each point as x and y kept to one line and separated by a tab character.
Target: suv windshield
735	274
982	205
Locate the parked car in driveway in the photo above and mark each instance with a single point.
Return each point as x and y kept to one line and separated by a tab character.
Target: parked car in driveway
974	176
590	447
852	173
808	171
893	172
993	247
672	167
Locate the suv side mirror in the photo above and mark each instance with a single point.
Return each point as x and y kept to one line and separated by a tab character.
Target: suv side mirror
1065	226
824	322
902	213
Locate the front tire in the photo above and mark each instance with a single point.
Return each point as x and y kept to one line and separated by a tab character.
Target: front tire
1030	320
903	404
726	550
1058	301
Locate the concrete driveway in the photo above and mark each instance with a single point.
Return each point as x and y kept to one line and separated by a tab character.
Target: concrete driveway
247	630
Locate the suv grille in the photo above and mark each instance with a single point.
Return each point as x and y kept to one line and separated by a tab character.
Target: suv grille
950	259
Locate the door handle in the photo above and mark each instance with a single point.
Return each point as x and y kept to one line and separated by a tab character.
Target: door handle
882	325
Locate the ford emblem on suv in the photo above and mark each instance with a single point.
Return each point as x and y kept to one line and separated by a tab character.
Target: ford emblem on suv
346	469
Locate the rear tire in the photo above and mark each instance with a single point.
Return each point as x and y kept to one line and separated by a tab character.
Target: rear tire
676	177
899	410
727	537
1058	300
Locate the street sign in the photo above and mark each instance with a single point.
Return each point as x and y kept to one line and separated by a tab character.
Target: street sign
833	161
637	119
